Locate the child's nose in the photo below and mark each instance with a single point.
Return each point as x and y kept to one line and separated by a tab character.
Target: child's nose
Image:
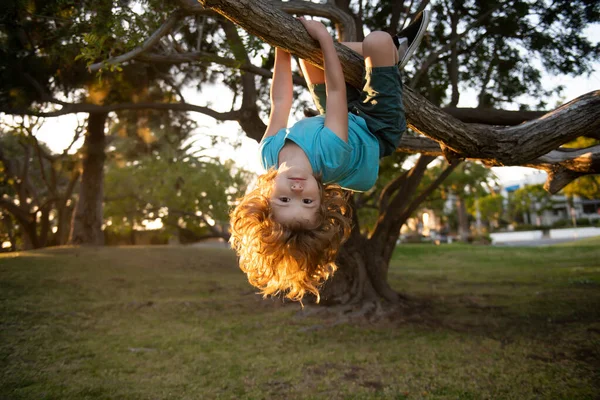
296	187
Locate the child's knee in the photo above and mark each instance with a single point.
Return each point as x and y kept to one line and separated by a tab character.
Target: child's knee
377	40
379	50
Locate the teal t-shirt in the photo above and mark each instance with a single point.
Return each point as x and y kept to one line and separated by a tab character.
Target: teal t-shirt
353	165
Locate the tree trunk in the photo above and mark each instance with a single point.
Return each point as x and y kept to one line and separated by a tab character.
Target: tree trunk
30	239
44	226
65	211
361	276
62	233
463	219
363	263
87	218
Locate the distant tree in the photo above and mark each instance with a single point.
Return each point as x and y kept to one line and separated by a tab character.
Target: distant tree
527	202
467	182
587	187
44	48
190	193
36	188
491	208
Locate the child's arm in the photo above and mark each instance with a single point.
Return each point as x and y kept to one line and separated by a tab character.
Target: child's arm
336	117
281	93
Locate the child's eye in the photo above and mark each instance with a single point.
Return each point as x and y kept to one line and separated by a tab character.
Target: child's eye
284	199
307	201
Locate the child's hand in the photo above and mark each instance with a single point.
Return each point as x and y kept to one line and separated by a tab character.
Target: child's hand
314	28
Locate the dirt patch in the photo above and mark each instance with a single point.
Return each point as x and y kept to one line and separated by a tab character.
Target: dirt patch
373	385
321	369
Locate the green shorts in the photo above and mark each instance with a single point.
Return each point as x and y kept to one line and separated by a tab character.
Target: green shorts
379	103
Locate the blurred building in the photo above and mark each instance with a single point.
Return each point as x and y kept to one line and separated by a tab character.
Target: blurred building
561	209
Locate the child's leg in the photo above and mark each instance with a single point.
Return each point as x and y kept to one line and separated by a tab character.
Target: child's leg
379	50
312	75
381	98
315	80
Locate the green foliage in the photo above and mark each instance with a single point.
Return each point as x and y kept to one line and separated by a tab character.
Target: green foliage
182	189
389	169
468	180
46	47
579	222
528	200
490	207
495	57
34	184
20	150
587	186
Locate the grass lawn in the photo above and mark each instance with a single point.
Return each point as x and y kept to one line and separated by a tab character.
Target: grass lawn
182	323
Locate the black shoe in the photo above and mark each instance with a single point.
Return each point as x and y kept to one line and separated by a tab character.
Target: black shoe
413	35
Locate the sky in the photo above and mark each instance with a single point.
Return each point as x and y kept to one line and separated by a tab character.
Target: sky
57	133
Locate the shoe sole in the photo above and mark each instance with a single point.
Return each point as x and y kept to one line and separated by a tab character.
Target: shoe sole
413	46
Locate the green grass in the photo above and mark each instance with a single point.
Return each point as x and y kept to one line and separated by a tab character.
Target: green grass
182	323
591	241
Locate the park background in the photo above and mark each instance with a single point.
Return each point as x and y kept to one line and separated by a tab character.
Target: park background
168	314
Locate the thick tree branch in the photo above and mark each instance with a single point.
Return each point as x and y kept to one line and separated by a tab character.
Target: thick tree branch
278	28
249	120
203	57
490	116
400	197
328	10
563	165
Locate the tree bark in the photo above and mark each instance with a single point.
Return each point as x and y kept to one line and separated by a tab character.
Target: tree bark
86	227
364	261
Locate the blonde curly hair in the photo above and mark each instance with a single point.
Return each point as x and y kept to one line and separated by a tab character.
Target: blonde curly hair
288	259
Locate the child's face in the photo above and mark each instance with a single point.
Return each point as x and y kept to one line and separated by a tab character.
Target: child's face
295	198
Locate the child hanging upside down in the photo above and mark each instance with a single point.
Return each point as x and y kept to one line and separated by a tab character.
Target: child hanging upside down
288	230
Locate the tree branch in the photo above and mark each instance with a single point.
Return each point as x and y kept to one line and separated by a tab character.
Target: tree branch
164	29
491	116
21	215
203	57
389	190
328	10
72	108
453	42
563	165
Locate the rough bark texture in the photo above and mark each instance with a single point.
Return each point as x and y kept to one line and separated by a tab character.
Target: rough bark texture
86	227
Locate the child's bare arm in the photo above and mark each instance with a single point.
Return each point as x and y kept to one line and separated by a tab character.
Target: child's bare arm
281	93
336	117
